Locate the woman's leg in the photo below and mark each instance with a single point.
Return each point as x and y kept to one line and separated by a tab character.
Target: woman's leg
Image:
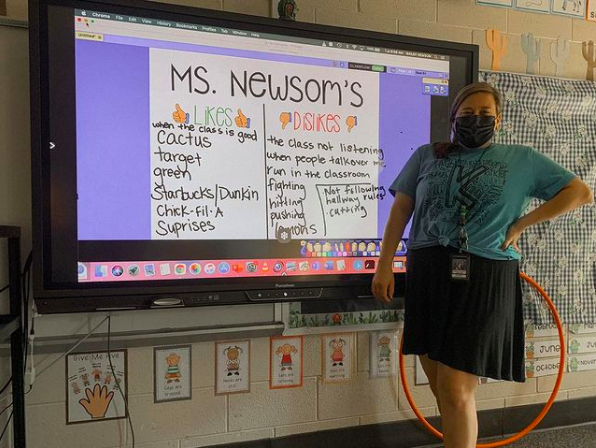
458	407
430	368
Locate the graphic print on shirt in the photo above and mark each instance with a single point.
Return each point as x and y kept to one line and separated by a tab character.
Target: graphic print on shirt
453	183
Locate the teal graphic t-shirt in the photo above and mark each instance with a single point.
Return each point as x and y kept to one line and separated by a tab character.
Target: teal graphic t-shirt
496	186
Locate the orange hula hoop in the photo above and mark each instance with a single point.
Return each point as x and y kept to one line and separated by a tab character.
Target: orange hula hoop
546	407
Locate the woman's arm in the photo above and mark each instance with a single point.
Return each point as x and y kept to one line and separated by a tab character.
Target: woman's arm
383	283
575	194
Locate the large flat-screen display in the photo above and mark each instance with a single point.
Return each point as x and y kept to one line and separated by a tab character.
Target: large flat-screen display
191	157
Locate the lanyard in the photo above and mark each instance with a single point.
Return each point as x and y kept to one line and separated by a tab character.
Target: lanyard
463	212
463	233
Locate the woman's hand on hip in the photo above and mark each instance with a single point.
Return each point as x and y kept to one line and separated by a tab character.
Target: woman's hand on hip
383	285
513	234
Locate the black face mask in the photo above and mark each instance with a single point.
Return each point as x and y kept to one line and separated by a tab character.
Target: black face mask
474	131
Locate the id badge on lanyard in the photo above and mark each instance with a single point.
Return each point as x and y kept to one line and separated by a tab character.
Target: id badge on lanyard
459	263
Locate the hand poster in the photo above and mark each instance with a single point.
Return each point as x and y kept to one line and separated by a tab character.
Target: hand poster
93	389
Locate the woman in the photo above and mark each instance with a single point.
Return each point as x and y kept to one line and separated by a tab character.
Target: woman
464	315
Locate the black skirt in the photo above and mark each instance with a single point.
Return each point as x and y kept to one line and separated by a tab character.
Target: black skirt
476	326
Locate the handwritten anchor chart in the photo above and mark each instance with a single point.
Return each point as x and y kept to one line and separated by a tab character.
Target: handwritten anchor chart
300	152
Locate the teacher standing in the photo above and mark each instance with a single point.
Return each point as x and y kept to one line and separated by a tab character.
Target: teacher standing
464	312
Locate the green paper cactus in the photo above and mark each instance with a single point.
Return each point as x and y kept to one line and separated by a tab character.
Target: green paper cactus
532	48
589	55
559	53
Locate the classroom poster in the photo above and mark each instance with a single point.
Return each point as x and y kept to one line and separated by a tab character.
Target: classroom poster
172	367
94	389
542	6
383	353
232	367
591	12
501	3
540	331
286	355
542	349
337	352
582	344
542	367
571	8
580	363
582	328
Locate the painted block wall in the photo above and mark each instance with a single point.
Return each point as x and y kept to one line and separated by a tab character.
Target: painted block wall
209	420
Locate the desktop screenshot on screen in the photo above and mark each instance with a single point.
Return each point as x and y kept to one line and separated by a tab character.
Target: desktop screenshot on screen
279	150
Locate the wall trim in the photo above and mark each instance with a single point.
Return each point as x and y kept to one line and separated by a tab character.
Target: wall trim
410	434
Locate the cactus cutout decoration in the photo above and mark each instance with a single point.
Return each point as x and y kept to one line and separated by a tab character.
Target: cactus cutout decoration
498	45
559	53
590	57
532	48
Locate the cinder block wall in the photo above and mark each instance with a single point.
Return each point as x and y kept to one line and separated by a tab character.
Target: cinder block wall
207	419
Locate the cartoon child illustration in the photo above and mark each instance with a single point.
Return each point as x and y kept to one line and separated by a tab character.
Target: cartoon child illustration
97	374
108	379
173	371
327	247
338	355
309	247
286	351
371	247
362	246
574	346
233	363
384	349
573	365
85	378
354	247
317	247
76	388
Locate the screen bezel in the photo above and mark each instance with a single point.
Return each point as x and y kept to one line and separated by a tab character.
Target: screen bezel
44	288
